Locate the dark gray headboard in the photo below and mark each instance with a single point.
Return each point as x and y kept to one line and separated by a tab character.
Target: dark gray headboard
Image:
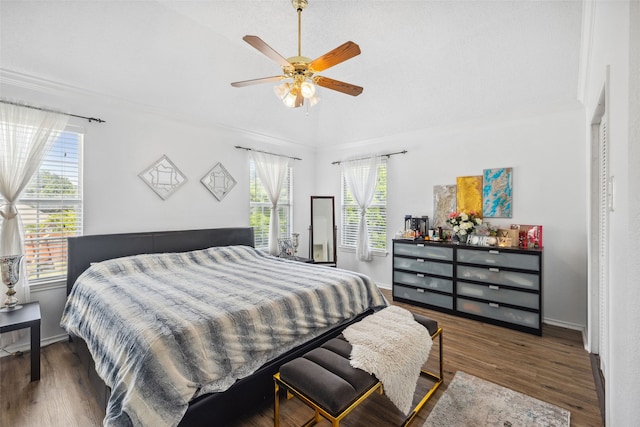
83	250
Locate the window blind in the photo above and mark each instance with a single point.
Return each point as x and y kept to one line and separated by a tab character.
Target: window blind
376	215
51	209
260	208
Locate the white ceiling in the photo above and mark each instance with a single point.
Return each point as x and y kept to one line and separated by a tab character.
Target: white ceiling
423	63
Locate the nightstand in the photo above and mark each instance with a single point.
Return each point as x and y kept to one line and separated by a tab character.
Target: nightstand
26	317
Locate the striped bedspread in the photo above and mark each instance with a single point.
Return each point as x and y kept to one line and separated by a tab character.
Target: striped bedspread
165	328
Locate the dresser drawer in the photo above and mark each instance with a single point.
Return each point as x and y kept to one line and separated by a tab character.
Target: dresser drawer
496	276
426	297
424	251
499	258
498	312
500	295
422	281
419	265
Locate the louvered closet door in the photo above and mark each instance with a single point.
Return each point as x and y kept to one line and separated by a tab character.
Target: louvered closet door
603	248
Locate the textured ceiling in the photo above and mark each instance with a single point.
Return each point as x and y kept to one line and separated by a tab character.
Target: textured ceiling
423	63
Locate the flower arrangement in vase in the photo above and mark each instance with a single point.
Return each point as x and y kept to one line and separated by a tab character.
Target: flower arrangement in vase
463	224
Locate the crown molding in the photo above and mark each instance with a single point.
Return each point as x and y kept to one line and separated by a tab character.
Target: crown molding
407	139
40	85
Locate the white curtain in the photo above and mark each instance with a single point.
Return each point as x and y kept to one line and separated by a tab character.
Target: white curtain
26	135
272	171
362	176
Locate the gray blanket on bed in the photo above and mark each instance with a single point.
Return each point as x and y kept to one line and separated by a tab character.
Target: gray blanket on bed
165	328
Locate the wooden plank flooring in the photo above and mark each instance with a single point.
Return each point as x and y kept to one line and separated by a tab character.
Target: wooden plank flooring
554	368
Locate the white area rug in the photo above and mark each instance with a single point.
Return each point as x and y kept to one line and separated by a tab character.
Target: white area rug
471	401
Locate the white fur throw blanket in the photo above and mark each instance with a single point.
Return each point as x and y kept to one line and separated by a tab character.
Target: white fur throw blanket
391	345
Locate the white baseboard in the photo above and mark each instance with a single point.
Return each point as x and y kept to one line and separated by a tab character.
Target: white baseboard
573	326
563	324
26	346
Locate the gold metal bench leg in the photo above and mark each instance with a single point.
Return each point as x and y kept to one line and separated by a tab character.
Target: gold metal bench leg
441	358
438	381
276	405
314	420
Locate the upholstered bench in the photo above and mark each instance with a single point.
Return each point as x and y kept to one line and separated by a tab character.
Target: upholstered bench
324	379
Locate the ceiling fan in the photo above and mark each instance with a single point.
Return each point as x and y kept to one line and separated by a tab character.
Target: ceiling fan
300	71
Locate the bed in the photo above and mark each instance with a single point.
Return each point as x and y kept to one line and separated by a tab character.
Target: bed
167	319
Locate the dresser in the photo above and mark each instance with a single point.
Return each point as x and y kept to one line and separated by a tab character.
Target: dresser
502	286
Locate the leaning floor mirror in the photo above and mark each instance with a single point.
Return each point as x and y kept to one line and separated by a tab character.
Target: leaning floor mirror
322	232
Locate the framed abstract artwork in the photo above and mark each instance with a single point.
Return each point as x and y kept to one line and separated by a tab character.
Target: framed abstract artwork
218	181
469	194
444	202
163	177
497	193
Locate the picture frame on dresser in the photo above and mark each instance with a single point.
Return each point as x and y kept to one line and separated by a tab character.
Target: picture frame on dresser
497	285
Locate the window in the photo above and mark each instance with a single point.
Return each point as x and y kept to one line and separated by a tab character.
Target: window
260	208
376	214
51	209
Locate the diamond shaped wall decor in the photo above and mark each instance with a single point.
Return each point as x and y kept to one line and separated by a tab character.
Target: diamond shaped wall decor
219	181
163	177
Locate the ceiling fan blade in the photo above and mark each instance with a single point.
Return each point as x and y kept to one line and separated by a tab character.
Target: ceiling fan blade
343	87
257	81
266	50
340	54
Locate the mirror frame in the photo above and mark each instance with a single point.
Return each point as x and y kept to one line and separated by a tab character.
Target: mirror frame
332	231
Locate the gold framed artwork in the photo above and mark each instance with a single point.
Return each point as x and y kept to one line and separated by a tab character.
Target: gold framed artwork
469	194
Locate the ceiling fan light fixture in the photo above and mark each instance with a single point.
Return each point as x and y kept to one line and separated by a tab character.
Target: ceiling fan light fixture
290	100
307	89
282	90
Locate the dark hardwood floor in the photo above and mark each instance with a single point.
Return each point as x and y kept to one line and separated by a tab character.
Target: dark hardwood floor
554	368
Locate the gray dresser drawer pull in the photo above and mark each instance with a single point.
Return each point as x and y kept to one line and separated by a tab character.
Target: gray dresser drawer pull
420	245
419	260
494	305
495	270
420	290
494	252
420	275
494	287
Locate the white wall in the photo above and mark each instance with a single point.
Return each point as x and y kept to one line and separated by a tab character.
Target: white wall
615	42
117	200
547	155
546	152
